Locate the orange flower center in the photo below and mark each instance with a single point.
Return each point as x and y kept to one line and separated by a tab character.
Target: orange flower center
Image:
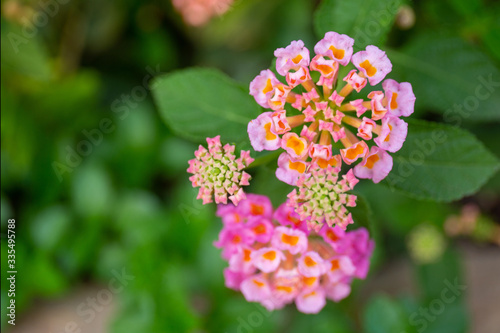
332	236
299	166
268	87
309	280
258	283
370	70
290	240
337	53
309	262
394	103
388	135
269	135
286	289
370	161
294	220
246	255
353	153
296	144
260	229
269	255
256	209
297	59
335	264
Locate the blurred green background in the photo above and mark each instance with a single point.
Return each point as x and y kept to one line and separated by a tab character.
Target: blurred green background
97	183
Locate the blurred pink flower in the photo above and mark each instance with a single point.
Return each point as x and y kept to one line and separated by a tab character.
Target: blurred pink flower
294	264
199	12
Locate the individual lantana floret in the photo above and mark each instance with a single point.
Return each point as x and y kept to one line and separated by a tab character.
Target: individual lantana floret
218	172
326	113
293	264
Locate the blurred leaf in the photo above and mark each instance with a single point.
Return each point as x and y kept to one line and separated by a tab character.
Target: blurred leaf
188	217
331	319
209	262
18	133
265	182
443	290
384	315
64	104
301	27
112	255
91	190
79	252
362	213
491	38
138	129
49	279
391	209
440	162
175	302
22	51
434	277
174	154
450	76
50	226
368	22
6	210
139	206
136	313
454	318
466	7
198	103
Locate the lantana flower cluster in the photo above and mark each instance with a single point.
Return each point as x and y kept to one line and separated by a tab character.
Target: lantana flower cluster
324	112
218	172
274	258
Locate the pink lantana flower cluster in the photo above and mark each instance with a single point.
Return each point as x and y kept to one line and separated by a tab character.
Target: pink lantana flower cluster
274	258
325	114
218	172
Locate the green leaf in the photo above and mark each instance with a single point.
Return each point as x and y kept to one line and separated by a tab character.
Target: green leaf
49	226
466	7
450	76
384	315
265	182
391	209
443	289
434	277
440	162
92	191
362	213
198	103
367	21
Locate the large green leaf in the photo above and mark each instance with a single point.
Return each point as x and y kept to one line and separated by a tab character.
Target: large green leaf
450	76
440	162
367	21
198	103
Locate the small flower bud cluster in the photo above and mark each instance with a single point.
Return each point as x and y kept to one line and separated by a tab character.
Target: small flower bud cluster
218	172
275	260
322	197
